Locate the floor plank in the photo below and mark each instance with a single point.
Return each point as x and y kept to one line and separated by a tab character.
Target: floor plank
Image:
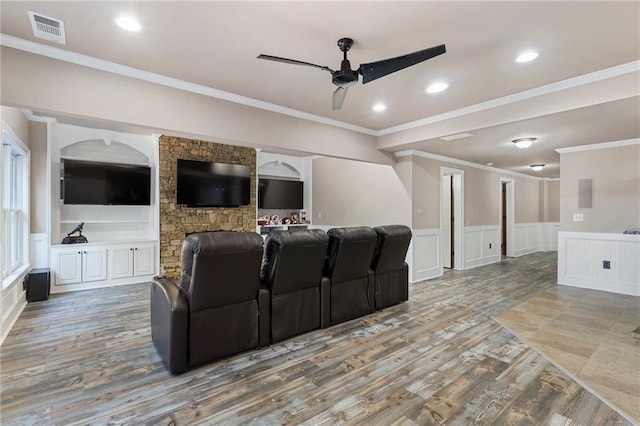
86	357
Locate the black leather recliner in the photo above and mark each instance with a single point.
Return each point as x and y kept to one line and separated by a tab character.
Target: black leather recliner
348	268
292	272
391	279
218	308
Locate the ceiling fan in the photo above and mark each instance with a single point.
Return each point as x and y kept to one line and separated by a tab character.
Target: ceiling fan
345	76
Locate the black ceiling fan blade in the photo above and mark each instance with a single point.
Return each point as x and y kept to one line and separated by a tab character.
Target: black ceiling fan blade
293	62
338	97
375	70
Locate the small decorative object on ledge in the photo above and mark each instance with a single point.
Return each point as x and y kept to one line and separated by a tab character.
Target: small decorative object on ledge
75	239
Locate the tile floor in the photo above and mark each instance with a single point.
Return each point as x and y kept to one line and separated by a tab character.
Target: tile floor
589	334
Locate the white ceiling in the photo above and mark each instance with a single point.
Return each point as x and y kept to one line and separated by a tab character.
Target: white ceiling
215	44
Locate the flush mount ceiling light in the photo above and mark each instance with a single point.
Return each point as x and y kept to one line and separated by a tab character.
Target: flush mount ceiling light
128	23
537	167
526	56
437	87
490	164
524	142
379	107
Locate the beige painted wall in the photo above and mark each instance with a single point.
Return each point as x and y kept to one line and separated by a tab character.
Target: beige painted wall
38	178
352	193
46	84
553	201
18	122
481	194
616	189
527	200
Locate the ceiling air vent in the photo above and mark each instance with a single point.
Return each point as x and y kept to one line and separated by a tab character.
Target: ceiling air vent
47	28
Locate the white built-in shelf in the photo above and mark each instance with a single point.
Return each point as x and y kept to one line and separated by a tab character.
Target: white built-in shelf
106	221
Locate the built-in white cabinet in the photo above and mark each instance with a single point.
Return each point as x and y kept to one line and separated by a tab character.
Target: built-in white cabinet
132	261
83	266
79	264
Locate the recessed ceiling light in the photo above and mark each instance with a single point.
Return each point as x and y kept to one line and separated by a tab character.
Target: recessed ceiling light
523	142
537	167
527	56
437	87
128	23
379	107
456	136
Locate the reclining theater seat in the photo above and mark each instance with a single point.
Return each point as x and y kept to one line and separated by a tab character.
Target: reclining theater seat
292	272
218	308
348	269
391	271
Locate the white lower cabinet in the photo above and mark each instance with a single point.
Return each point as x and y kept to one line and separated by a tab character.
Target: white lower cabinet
74	266
132	261
101	265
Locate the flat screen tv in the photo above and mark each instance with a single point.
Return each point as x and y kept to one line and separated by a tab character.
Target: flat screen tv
90	182
207	184
280	194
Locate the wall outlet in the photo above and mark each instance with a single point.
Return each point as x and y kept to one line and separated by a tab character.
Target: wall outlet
578	217
319	215
606	264
420	211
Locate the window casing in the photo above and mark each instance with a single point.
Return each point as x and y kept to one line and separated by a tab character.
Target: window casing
15	203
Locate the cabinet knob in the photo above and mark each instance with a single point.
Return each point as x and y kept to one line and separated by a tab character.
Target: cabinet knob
131	249
85	252
79	252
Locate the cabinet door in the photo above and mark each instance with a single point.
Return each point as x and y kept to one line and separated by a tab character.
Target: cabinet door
143	260
94	264
67	266
121	260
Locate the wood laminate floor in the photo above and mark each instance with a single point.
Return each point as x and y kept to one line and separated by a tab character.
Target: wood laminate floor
87	358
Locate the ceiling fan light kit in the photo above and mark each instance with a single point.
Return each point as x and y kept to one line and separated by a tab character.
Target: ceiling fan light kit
346	77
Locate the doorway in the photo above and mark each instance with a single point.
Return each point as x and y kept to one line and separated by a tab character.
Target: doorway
506	218
451	218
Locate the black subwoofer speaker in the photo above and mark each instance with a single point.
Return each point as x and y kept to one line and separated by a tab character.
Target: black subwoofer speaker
37	283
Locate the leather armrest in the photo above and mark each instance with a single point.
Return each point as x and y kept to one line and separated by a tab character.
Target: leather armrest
264	317
405	278
325	302
169	324
371	289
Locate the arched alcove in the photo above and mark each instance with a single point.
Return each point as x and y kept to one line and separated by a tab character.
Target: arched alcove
279	169
105	151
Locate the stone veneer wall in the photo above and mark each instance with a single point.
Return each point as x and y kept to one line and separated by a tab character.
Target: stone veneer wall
176	220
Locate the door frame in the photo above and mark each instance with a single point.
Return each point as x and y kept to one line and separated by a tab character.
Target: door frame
510	194
458	214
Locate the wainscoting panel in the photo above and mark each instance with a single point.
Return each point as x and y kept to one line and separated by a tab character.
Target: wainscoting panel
39	250
480	246
425	255
549	236
581	256
13	302
527	238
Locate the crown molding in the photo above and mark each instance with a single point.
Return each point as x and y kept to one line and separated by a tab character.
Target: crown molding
418	153
603	145
163	80
38	118
516	97
115	68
